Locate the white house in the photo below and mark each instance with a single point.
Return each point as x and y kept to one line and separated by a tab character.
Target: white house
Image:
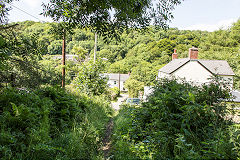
196	70
70	57
117	80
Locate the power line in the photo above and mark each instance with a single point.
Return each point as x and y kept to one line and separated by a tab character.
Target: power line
26	13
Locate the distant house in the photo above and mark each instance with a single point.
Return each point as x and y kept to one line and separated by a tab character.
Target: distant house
117	80
70	57
196	70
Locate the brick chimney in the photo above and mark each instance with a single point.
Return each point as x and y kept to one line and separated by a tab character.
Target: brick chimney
193	53
174	55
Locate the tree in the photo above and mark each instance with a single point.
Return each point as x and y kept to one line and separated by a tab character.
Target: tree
235	31
134	87
144	72
18	58
55	47
80	52
90	79
20	53
4	8
161	50
108	17
105	53
119	67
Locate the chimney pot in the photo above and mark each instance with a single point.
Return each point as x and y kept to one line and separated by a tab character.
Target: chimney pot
174	55
193	53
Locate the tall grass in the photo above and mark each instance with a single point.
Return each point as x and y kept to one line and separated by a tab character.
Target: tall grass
51	123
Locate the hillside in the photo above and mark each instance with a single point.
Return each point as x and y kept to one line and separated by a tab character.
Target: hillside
140	52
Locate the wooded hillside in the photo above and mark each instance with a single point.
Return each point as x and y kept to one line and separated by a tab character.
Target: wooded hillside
140	52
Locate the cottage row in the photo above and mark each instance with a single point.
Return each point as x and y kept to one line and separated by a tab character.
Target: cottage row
192	69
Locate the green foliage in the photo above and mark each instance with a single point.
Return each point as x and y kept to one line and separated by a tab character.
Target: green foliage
82	35
178	121
55	47
235	30
134	87
105	53
161	50
90	79
145	72
51	67
114	92
140	52
80	52
126	14
51	123
119	67
54	68
20	55
121	142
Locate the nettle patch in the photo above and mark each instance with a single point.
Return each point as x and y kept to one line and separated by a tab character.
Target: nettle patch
178	121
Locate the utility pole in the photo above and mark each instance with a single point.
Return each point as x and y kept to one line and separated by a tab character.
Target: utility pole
63	59
119	79
119	75
95	47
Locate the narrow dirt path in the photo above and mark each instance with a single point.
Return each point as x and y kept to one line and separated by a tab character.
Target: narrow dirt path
107	139
121	99
109	128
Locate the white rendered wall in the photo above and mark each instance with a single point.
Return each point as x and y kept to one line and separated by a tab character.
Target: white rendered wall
122	86
196	73
193	72
111	85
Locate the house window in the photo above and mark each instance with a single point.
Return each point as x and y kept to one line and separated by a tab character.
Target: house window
115	82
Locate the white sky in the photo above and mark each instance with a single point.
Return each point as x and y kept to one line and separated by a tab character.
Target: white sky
33	7
207	15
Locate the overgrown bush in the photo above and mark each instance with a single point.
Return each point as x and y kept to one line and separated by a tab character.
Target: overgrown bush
90	79
178	121
51	123
134	87
114	92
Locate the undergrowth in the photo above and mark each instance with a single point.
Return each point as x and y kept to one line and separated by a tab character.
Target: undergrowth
51	123
179	121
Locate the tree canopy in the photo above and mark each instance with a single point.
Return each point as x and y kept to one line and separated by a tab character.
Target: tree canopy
110	16
4	8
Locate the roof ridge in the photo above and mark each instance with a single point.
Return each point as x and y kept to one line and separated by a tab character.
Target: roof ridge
200	59
219	67
211	60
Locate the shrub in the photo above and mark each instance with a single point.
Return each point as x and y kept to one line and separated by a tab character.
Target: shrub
115	92
179	121
134	87
51	123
